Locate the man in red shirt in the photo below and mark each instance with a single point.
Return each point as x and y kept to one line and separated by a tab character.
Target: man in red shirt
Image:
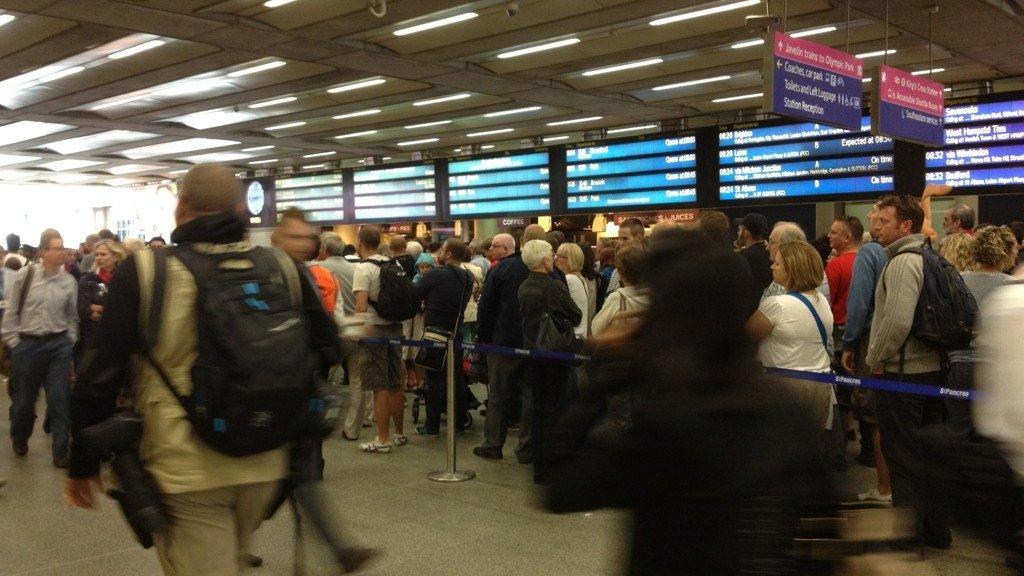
845	237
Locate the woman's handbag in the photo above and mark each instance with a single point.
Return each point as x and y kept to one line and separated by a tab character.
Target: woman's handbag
432	358
556	332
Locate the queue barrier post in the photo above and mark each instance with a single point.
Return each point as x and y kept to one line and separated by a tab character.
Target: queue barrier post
450	474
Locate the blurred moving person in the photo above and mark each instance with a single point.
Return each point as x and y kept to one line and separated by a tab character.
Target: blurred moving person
709	449
40	326
213	501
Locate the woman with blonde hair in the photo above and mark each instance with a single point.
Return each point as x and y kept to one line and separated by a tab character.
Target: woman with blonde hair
991	250
793	328
92	289
959	250
569	259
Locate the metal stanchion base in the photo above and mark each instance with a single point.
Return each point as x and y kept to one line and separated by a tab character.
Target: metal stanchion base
459	476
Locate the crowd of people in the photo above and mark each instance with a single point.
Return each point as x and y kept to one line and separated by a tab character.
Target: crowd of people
674	416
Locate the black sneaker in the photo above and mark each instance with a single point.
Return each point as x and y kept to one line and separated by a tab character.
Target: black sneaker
488	453
424	431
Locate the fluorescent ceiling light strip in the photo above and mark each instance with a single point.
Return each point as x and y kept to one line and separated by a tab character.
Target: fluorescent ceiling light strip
932	71
386	158
319	154
742	97
747	43
176	147
258	148
126	181
626	66
28	130
271	161
120	102
136	49
313	166
356	85
539	48
704	12
190	87
357	114
258	68
133	168
487	146
436	23
285	126
355	134
415	142
876	53
7	19
428	124
576	121
175	172
490	132
513	111
276	3
284	100
692	83
70	164
442	99
633	128
555	138
61	74
801	34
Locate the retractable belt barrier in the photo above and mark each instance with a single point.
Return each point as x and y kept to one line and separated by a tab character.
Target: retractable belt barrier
934	391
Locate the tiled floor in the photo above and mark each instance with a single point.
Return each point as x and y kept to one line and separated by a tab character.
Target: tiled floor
488	526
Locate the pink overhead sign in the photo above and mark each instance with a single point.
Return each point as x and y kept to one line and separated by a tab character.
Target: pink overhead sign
818	55
813	82
908	107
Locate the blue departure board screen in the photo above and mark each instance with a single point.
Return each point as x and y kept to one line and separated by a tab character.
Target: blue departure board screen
398	193
984	146
517	183
633	174
791	160
319	195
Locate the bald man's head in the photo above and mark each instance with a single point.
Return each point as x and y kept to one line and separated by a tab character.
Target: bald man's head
534	232
207	189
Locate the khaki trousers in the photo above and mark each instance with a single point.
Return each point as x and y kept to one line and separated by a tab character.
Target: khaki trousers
210	530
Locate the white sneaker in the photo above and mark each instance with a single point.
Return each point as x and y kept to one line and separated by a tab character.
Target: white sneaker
874	495
400	439
376	447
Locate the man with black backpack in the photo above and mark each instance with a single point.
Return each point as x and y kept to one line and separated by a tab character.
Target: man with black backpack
920	310
217	342
384	298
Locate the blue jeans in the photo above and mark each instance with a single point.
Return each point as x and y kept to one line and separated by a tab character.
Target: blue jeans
46	364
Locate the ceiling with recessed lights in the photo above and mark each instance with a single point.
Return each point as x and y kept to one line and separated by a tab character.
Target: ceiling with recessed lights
118	92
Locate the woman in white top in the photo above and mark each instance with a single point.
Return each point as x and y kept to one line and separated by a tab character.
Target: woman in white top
791	335
569	260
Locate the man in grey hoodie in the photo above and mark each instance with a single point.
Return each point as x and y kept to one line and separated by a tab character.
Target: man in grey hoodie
894	354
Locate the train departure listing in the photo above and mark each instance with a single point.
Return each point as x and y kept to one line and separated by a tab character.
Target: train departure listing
790	160
984	146
397	193
514	184
321	196
637	173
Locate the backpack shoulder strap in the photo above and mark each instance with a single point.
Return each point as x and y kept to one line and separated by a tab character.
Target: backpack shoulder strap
817	318
289	272
25	287
152	272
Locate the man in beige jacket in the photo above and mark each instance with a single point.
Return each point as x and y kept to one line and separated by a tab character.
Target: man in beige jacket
214	501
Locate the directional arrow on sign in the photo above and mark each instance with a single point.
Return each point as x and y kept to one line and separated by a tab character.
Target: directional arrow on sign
778	64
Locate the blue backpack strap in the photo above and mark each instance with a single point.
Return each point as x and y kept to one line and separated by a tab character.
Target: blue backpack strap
817	318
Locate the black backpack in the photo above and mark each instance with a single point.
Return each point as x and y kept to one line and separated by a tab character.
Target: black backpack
253	377
397	300
946	311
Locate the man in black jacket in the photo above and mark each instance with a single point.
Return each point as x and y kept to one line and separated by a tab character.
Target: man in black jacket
215	502
754	239
499	323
